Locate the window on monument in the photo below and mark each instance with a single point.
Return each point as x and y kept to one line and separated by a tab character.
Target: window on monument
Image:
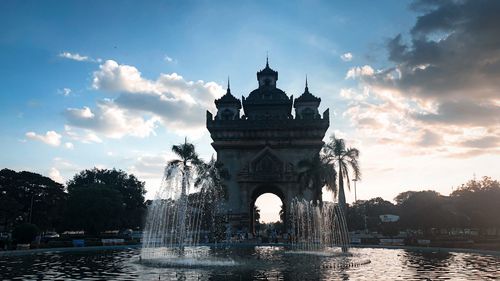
227	114
308	113
268	215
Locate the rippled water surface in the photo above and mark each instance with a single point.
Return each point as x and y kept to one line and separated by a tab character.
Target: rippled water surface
255	263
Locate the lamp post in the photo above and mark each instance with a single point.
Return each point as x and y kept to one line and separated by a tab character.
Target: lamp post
355	195
31	207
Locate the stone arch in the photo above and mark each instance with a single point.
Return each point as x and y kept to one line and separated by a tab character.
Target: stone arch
260	190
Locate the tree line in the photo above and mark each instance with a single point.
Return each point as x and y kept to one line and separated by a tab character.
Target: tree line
97	200
474	204
94	200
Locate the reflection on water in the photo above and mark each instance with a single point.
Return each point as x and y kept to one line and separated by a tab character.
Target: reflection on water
256	263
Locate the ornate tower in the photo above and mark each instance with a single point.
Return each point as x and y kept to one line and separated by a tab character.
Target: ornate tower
306	106
228	106
261	149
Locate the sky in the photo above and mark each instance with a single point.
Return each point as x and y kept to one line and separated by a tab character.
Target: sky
414	85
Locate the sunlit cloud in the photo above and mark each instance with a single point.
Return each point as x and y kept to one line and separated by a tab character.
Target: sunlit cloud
51	138
346	57
141	104
55	175
69	145
78	57
359	71
439	90
74	56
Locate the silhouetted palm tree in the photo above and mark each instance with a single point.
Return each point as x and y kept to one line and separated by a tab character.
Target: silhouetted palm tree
345	160
317	173
210	177
187	162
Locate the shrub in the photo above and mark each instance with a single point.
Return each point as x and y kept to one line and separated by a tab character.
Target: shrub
25	233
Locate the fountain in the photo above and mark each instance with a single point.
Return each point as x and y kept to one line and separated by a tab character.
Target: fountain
184	224
183	216
317	227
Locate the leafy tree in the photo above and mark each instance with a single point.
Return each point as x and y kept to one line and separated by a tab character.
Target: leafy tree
477	203
424	210
345	160
27	197
372	209
256	214
102	186
210	178
25	233
94	209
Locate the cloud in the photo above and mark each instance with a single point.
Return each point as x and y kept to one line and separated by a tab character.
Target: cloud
114	77
69	145
453	52
55	175
441	89
64	91
168	59
74	56
346	57
141	104
81	135
78	57
463	112
352	94
110	120
51	137
483	142
150	166
356	72
429	138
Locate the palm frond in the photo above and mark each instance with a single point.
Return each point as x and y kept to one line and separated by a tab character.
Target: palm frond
186	151
171	167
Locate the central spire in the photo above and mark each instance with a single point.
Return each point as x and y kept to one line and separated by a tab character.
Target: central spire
267	77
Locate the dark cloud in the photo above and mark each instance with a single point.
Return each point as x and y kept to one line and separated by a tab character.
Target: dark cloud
442	88
484	142
453	52
368	122
463	112
473	153
429	139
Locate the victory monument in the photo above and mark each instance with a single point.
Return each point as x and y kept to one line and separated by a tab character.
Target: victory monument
261	147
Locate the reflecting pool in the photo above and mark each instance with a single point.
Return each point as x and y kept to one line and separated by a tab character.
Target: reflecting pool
254	263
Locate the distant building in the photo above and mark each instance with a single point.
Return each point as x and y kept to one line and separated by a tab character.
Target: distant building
389	218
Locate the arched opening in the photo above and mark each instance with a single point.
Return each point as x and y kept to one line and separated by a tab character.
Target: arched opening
268	211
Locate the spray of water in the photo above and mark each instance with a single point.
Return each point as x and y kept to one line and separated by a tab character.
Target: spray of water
184	211
315	227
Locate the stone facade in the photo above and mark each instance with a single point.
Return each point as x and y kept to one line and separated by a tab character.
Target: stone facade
261	149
